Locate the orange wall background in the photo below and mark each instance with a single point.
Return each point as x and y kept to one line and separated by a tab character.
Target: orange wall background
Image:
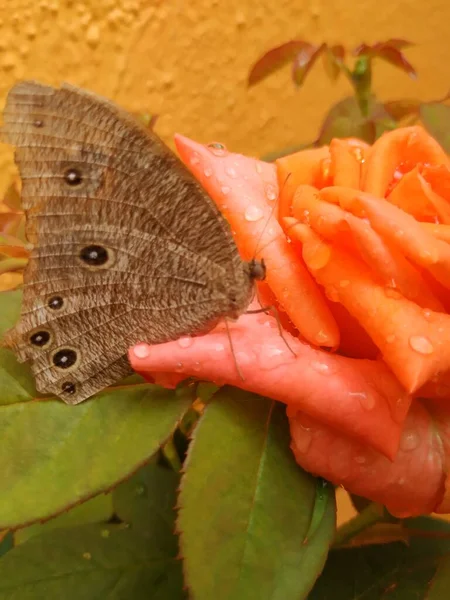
188	60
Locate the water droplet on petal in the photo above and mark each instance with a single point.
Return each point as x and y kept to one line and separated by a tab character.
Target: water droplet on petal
141	351
305	217
231	172
392	293
242	358
318	258
195	159
360	459
427	256
320	367
357	153
427	313
367	401
302	434
219	347
197	366
272	356
179	366
331	292
253	213
410	440
217	149
271	192
421	344
225	189
185	342
207	172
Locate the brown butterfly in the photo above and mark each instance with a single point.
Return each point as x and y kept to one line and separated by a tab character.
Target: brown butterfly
127	246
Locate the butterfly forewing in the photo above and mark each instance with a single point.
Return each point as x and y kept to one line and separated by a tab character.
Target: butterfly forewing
127	245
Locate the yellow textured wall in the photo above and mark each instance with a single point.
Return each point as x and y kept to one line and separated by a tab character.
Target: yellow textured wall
188	59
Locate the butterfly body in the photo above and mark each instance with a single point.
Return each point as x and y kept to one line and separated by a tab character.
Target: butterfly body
127	246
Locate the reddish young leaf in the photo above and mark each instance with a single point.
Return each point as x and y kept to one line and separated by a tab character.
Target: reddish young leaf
276	58
396	43
390	51
397	58
333	59
303	62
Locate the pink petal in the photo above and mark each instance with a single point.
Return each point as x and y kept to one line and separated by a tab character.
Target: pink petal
361	398
411	485
245	191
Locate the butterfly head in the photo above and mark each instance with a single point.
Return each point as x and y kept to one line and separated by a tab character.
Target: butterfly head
240	294
257	269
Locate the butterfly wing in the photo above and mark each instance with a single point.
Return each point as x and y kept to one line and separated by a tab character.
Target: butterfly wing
127	245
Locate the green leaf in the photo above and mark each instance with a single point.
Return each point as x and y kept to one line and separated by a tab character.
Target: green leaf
147	501
274	59
6	542
441	582
273	156
345	120
96	510
402	109
54	456
10	303
91	562
16	380
252	522
435	118
396	571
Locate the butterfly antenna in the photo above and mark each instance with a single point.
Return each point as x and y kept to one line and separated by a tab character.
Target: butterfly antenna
271	308
275	205
238	368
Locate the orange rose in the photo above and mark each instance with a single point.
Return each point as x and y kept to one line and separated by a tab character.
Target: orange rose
358	265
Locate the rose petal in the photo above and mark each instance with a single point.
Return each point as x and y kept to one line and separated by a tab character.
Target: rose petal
304	167
413	341
359	397
412	195
335	224
240	187
404	232
440	232
326	451
409	145
346	163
